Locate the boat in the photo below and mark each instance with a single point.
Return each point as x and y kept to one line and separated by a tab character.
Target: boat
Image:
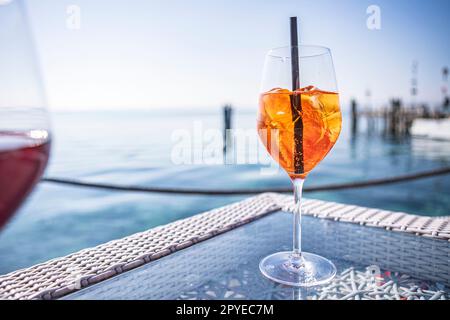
437	129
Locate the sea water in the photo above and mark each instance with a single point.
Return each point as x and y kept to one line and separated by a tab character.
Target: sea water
136	147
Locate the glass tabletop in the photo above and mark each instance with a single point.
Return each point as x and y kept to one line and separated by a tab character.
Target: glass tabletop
372	263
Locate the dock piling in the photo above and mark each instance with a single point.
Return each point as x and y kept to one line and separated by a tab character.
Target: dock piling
227	116
354	107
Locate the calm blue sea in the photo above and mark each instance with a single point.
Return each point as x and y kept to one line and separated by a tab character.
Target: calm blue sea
135	148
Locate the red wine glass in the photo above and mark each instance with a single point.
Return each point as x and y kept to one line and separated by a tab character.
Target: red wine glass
24	125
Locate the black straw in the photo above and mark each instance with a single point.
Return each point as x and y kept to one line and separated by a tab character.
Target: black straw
296	105
294	55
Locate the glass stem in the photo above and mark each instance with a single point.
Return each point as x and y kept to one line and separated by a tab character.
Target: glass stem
297	231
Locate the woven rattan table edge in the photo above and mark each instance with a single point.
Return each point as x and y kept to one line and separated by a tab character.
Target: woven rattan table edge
59	289
404	223
56	292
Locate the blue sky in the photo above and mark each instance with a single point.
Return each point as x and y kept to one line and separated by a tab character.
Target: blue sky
200	54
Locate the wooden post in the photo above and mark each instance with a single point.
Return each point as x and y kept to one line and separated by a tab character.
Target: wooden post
394	120
409	121
354	111
446	100
386	120
227	114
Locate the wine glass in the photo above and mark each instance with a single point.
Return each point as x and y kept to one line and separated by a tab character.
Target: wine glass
24	125
298	123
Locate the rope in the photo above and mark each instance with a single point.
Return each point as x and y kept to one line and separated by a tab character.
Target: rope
247	191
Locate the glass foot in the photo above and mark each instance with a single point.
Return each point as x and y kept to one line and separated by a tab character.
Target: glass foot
307	271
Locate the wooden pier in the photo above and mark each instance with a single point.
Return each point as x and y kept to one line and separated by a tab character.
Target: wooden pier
396	119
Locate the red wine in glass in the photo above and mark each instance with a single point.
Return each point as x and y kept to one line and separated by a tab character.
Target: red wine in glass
23	157
24	123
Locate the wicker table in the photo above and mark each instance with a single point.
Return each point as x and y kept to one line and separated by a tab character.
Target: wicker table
215	255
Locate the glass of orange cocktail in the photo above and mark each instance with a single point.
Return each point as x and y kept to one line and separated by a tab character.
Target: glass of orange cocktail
299	121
